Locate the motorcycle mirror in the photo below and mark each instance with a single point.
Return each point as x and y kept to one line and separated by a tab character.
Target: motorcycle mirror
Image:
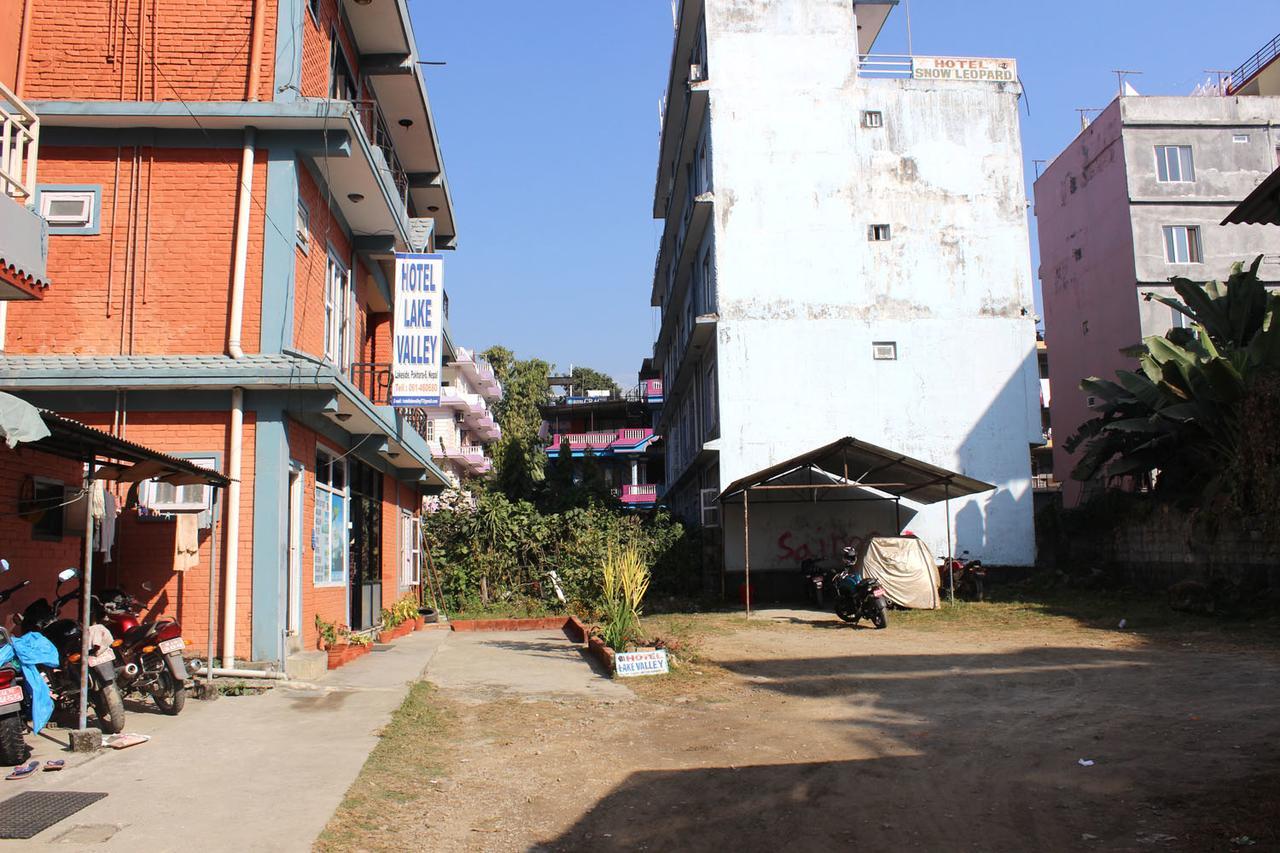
146	585
67	574
4	565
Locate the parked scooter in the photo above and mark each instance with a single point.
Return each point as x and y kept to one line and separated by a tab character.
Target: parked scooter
64	679
859	597
148	654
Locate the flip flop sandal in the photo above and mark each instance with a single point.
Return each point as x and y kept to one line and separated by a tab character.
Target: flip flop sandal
54	764
24	772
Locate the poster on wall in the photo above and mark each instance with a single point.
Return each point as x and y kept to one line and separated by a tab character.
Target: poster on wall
417	332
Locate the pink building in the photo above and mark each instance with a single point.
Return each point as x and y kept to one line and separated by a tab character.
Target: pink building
1135	199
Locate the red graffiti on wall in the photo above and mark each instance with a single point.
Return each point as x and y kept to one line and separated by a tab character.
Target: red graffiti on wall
816	546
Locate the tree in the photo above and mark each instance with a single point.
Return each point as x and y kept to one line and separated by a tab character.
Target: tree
585	379
1180	415
519	460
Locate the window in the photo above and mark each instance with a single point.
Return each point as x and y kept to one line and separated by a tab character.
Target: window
1173	164
167	497
337	312
329	535
872	118
708	283
69	210
1182	244
884	350
302	227
702	159
410	550
710	506
48	510
1180	320
878	233
342	85
1240	138
314	7
710	405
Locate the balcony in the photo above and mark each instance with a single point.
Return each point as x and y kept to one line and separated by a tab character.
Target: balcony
630	440
639	495
374	124
470	456
478	372
1248	74
24	242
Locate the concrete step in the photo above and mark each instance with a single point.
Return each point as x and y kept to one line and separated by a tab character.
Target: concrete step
306	666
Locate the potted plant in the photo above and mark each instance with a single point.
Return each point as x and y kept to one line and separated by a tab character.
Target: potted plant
361	644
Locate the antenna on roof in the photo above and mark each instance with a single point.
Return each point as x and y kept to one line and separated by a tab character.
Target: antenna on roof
1038	164
1120	75
1084	116
910	52
675	14
1223	77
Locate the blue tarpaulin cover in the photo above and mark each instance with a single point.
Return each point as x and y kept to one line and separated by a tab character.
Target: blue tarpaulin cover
33	650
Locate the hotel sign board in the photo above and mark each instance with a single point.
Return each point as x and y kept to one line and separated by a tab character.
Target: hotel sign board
417	331
961	69
628	664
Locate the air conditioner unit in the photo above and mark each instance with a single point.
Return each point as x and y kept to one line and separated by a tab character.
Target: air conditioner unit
710	507
697	73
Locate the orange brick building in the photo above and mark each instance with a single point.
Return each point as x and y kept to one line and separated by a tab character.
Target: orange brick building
225	186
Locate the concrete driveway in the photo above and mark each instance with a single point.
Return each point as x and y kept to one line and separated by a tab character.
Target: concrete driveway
242	773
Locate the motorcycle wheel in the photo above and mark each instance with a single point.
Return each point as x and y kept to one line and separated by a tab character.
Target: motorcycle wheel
845	613
13	746
169	694
109	707
879	616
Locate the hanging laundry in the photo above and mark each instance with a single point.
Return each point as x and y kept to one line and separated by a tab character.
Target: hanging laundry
186	543
106	538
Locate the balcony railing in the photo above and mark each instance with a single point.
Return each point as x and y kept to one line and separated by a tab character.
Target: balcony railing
19	146
1253	65
373	379
639	494
884	65
375	125
620	439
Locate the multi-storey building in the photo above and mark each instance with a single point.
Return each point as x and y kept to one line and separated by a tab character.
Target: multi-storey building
225	187
845	253
1137	198
616	430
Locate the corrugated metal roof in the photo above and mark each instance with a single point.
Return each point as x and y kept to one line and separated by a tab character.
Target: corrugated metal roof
11	274
1261	207
850	463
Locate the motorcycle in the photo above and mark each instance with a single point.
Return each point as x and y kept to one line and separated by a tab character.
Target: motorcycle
817	580
859	597
148	654
13	748
966	575
66	634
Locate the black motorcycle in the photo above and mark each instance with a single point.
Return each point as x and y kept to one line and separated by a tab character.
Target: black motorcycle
817	580
64	679
859	597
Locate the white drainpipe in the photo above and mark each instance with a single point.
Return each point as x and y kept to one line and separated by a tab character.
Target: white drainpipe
234	349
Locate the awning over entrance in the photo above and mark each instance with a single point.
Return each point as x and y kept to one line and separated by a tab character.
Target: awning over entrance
835	471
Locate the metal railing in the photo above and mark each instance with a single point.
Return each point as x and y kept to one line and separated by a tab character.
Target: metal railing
1253	65
884	65
19	146
638	490
375	126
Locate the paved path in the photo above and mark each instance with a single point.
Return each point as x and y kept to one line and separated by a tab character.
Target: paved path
242	773
485	665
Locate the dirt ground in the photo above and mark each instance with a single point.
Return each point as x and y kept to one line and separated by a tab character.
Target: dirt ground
801	733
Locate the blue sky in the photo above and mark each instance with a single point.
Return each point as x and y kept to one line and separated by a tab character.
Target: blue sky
548	114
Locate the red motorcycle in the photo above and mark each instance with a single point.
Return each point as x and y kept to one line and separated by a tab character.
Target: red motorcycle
149	654
967	575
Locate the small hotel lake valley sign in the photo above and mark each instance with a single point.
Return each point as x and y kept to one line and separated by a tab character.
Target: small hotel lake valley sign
627	664
416	331
964	70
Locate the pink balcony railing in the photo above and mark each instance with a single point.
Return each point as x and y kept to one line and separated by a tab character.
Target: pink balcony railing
639	494
616	439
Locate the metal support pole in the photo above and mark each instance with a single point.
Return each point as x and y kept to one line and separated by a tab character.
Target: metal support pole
86	596
746	549
951	572
897	513
214	570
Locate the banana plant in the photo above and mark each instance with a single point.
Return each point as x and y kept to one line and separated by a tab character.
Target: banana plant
1178	414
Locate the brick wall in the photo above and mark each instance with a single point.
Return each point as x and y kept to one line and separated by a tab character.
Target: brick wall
157	278
147	50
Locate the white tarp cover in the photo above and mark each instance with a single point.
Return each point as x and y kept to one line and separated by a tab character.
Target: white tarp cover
905	568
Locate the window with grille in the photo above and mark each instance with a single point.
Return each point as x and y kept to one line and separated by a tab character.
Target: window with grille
1174	165
878	233
872	118
160	496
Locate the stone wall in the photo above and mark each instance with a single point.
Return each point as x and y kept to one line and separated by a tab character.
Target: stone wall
1168	545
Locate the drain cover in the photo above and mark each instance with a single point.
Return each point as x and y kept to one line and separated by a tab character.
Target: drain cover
34	811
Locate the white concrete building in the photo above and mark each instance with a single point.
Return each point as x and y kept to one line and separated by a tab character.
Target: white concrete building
463	424
845	253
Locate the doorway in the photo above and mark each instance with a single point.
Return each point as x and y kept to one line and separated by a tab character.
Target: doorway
293	563
366	546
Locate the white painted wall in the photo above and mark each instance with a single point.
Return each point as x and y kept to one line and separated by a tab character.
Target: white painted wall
802	294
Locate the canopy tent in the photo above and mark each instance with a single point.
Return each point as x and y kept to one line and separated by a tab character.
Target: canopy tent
106	457
849	469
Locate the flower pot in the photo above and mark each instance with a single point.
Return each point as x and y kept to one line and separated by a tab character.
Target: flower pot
338	655
403	628
418	623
